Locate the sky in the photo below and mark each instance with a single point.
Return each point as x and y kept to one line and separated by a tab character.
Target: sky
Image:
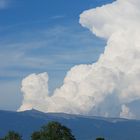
38	36
106	84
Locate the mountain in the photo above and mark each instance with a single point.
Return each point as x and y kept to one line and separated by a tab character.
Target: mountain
83	127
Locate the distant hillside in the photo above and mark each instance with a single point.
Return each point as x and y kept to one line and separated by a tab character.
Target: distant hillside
84	128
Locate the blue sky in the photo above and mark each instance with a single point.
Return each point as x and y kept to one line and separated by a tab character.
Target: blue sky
38	36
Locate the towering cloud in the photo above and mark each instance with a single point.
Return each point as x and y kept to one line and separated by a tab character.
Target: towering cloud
109	87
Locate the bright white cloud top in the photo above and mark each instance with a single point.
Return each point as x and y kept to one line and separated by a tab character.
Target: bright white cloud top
111	86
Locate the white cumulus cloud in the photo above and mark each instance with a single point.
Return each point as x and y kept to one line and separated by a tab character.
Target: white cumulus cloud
106	87
126	112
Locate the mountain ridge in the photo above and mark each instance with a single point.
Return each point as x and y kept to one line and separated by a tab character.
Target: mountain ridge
83	127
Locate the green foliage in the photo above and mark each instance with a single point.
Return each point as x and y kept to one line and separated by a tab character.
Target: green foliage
12	136
36	136
53	131
100	138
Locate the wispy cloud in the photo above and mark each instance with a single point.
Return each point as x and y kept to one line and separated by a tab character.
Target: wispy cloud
42	50
55	50
58	17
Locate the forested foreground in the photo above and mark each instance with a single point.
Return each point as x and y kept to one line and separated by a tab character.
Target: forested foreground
52	131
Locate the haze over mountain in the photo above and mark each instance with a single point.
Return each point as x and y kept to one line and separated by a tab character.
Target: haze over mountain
84	128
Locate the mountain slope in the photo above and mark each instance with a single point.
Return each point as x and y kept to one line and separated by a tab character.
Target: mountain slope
84	128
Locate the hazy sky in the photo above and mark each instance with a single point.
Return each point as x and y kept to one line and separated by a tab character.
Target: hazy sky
38	36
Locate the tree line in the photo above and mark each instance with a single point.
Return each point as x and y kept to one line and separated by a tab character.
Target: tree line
51	131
